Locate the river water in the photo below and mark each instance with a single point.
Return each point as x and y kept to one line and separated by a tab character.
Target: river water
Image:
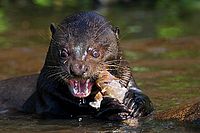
164	60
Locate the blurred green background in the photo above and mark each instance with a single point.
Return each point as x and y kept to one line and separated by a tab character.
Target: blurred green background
136	18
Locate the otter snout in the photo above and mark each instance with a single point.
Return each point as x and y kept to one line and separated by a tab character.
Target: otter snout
78	69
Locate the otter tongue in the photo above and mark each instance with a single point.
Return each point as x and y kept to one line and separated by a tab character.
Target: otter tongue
80	88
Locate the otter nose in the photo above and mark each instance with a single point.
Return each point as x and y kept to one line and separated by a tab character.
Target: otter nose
78	69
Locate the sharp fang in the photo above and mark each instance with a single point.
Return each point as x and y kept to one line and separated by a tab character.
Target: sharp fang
75	91
75	87
75	84
86	87
87	82
86	91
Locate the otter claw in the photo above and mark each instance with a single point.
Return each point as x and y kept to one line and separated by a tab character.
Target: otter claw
119	116
112	109
139	104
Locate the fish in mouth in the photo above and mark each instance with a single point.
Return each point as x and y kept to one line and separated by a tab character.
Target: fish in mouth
80	88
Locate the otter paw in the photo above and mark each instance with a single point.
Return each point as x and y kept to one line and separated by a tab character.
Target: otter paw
112	109
119	116
138	104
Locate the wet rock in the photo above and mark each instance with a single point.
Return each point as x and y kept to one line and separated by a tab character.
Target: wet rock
189	113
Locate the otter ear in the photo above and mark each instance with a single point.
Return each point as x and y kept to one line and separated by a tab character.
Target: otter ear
53	28
116	31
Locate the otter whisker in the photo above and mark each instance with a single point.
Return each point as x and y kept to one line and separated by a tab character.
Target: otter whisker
109	66
52	70
67	34
66	76
100	28
57	66
113	68
59	77
60	28
54	40
115	65
55	74
51	67
100	33
110	69
125	77
51	61
62	78
50	74
115	60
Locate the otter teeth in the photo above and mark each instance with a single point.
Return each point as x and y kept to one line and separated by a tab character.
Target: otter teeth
75	90
87	89
87	82
76	87
76	84
80	88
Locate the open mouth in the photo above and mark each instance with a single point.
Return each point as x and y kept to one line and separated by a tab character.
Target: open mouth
80	88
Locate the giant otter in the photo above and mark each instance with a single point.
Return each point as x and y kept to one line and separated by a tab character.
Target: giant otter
82	45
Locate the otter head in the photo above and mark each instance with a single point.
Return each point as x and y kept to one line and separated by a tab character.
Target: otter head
79	47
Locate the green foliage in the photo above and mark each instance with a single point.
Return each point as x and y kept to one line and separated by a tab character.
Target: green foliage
44	3
139	69
170	32
3	24
178	5
180	54
170	24
63	3
132	55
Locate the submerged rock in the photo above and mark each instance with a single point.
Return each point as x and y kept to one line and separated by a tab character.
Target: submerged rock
189	113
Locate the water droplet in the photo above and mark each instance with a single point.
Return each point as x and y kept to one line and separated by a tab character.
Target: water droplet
80	119
80	102
83	101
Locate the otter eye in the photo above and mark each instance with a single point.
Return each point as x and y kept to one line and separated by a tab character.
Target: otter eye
95	53
64	53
